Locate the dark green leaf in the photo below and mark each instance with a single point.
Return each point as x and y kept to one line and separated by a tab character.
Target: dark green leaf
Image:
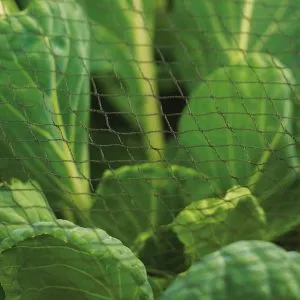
282	210
237	125
208	224
243	270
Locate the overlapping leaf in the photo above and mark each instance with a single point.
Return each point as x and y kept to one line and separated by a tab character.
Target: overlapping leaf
133	201
206	225
22	204
237	125
210	33
44	94
42	257
243	270
60	259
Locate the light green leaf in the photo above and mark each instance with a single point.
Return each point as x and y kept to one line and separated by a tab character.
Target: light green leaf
22	204
243	270
210	33
133	201
44	96
60	260
237	125
208	224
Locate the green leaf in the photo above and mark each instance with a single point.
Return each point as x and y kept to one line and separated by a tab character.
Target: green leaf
243	270
133	201
44	257
237	126
44	96
282	210
22	204
113	49
58	259
209	34
208	224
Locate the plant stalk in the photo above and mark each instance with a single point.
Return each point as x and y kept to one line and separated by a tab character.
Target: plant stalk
143	46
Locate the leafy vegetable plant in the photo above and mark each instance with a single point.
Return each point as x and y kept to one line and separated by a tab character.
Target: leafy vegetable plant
196	218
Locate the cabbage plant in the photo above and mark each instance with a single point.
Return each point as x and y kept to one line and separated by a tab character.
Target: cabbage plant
198	217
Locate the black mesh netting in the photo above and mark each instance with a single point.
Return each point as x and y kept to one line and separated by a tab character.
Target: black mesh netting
149	149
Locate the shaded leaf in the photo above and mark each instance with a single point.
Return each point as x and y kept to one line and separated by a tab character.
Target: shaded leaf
158	285
282	210
133	201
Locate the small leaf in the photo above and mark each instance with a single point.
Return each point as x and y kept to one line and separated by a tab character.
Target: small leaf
208	224
237	125
48	260
243	270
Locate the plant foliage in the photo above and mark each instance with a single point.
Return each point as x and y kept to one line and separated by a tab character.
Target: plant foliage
199	216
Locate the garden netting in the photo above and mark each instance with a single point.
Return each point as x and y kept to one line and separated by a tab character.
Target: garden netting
149	149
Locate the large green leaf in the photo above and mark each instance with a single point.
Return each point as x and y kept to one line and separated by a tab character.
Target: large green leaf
237	125
42	257
243	270
209	33
60	260
206	225
44	96
133	201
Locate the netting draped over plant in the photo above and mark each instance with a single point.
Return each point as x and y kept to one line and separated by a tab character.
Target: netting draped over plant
149	149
